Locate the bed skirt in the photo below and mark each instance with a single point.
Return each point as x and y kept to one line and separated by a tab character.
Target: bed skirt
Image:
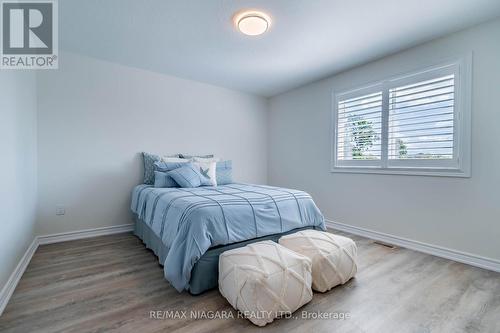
205	273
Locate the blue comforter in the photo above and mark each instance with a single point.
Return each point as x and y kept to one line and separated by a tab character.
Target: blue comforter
190	221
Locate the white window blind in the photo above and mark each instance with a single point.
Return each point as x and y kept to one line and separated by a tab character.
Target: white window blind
418	123
360	127
421	119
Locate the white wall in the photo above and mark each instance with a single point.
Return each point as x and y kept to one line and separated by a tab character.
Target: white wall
17	167
462	214
95	117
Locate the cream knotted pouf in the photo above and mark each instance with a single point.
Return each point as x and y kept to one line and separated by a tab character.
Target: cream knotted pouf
265	280
333	257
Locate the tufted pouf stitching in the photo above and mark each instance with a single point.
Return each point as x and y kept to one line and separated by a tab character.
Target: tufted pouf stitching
257	276
321	282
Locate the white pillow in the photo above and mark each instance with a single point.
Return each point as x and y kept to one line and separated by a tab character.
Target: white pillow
174	159
208	167
206	159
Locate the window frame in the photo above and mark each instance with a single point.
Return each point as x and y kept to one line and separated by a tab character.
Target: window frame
459	166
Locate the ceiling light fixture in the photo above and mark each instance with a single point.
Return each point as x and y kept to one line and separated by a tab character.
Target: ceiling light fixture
252	23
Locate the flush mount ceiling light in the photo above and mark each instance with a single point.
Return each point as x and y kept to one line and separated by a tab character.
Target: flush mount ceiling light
252	22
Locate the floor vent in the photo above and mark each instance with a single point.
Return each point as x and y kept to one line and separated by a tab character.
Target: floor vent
385	244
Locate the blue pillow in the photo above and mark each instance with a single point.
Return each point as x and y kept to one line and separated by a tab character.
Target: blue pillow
188	176
164	180
149	161
224	172
161	169
168	166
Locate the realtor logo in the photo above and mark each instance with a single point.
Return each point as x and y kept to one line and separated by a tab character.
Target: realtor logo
29	34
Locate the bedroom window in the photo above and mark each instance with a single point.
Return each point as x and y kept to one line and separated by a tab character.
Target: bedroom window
417	124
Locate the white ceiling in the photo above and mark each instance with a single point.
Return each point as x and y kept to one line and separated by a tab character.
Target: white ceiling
308	39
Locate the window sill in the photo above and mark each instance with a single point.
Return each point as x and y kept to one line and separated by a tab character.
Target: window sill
404	171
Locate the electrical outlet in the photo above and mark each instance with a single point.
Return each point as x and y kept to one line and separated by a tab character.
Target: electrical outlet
60	210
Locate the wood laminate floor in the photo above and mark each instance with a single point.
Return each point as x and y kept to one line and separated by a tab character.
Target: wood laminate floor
112	283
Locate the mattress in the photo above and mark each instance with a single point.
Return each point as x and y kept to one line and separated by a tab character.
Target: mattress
186	223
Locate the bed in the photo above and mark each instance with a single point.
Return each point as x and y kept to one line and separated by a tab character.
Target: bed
188	228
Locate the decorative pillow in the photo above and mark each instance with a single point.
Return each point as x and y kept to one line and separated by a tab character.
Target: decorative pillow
149	160
161	169
224	172
187	156
187	176
163	166
173	159
206	159
164	180
207	167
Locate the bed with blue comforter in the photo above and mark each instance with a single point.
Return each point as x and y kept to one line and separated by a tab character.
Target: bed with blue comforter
182	224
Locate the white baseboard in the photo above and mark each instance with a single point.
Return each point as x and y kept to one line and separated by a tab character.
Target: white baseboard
463	257
88	233
10	286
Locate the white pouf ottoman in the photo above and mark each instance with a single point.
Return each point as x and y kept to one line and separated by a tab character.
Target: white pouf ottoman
265	280
333	257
